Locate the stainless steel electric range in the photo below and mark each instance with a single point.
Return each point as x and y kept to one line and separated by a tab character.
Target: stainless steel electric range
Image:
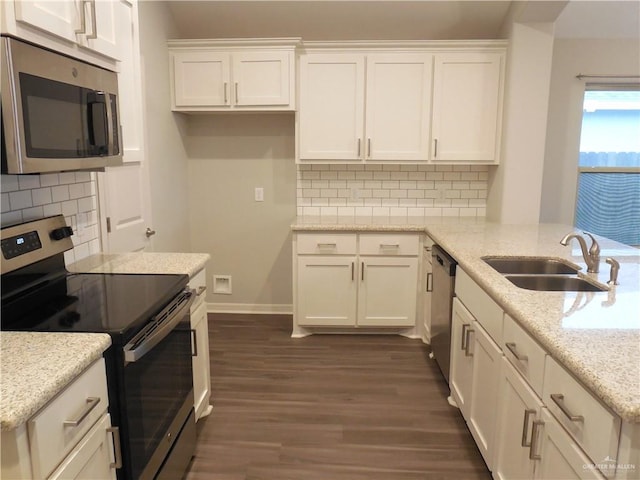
149	374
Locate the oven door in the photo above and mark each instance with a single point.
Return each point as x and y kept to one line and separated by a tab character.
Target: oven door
158	388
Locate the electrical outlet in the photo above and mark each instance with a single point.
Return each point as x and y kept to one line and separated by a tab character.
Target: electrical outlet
222	284
259	194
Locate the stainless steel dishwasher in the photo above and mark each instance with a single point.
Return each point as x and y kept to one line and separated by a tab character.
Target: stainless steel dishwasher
444	271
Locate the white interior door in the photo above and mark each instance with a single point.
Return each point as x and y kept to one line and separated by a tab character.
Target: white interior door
125	207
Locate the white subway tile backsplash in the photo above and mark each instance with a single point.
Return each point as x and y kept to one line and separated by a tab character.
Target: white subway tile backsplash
52	209
395	190
70	207
41	196
4	202
10	183
76	190
26	182
49	179
67	177
32	213
20	200
60	193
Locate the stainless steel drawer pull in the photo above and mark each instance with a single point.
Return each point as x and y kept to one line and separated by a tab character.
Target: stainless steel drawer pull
92	402
511	346
525	427
327	245
467	353
389	245
117	449
534	440
558	399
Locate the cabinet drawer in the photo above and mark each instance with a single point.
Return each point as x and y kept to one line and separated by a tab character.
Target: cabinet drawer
524	353
486	311
386	244
327	243
594	427
84	401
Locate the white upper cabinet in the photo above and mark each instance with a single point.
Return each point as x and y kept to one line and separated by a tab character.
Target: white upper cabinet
331	117
79	28
398	106
467	107
222	76
357	107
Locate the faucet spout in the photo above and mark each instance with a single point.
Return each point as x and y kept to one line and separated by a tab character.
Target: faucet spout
591	256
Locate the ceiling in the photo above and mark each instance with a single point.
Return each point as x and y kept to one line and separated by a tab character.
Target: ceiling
398	19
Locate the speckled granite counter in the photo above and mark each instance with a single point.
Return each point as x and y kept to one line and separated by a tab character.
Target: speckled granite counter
142	262
596	336
36	366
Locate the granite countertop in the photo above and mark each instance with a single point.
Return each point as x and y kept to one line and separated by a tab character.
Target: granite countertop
595	335
36	366
142	262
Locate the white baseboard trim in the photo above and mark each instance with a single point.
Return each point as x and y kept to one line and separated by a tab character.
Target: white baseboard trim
265	309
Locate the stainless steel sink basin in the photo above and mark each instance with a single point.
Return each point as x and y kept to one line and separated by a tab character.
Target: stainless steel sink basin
553	283
530	265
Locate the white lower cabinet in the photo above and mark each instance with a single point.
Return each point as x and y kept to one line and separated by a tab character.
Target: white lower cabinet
519	407
92	457
200	348
70	437
560	457
356	280
461	366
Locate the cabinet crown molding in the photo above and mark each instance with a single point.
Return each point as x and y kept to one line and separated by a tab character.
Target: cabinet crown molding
231	43
447	45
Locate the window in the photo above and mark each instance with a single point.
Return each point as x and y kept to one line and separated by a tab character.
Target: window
608	200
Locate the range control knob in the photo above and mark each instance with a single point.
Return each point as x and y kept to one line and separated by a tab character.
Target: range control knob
60	233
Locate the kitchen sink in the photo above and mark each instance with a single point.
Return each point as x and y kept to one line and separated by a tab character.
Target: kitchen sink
530	265
553	283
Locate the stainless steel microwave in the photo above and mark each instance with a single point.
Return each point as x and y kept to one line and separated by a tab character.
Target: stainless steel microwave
58	113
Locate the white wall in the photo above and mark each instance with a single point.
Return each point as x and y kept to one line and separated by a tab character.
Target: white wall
165	150
515	187
571	57
229	155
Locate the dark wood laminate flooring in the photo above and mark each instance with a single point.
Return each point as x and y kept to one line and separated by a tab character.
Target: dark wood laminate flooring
326	407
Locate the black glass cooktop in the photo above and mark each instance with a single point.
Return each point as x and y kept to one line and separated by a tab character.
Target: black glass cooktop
118	304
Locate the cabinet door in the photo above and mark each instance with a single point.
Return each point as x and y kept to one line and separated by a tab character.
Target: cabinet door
201	79
200	359
461	372
484	392
331	115
518	408
103	19
467	107
327	290
388	292
427	291
261	79
92	457
560	456
398	106
60	18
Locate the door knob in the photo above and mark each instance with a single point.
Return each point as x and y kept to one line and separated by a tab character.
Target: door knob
149	232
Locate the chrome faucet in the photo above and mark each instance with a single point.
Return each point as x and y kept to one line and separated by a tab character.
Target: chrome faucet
615	268
591	257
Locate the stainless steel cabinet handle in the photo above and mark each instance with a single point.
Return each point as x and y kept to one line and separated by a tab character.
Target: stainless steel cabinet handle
236	89
525	426
389	245
534	440
226	96
464	336
194	342
362	272
83	20
511	346
467	353
327	245
558	399
149	232
92	402
353	264
93	35
369	147
435	148
117	449
429	282
359	148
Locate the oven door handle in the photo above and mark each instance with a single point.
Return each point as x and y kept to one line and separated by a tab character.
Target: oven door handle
158	329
